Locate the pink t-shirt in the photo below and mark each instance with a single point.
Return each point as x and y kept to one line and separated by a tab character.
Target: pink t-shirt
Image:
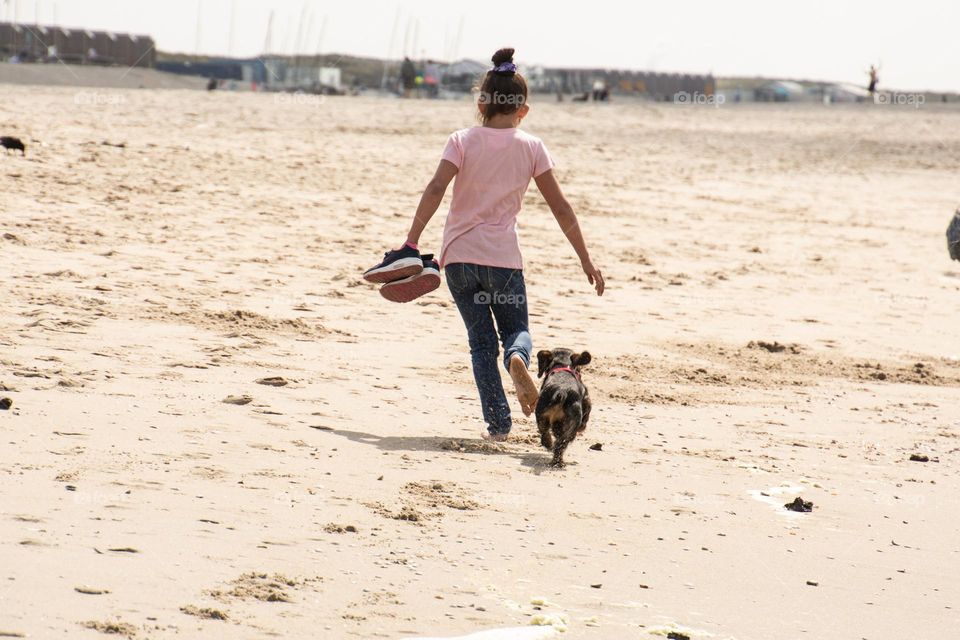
494	170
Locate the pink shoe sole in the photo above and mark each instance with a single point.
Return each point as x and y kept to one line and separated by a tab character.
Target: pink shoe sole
395	274
411	288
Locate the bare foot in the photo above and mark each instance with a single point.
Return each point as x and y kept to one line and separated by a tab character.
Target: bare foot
494	437
527	392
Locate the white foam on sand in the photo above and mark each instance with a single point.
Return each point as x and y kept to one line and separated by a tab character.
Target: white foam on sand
508	633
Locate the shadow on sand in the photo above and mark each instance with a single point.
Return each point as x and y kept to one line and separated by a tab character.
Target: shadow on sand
538	462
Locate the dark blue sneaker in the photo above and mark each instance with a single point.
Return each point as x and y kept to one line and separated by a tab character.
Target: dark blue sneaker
414	286
397	264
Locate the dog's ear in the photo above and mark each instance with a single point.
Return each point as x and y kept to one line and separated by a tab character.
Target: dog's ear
580	359
544	358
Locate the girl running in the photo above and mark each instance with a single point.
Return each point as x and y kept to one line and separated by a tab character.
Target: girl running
493	164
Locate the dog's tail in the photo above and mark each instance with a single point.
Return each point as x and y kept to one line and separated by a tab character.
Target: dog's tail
574	409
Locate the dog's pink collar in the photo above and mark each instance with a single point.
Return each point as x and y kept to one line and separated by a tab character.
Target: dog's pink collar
567	369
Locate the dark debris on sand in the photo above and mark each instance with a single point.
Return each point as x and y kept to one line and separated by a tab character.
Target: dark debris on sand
799	505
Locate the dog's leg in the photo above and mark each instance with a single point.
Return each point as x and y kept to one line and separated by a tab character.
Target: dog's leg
558	450
585	404
566	431
546	438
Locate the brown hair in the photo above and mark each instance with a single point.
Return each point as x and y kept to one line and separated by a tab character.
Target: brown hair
501	91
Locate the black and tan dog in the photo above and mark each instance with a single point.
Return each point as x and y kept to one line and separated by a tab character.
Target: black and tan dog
564	405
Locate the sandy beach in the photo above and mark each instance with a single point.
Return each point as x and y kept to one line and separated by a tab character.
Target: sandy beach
219	430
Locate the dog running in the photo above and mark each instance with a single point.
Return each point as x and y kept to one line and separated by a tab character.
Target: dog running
564	405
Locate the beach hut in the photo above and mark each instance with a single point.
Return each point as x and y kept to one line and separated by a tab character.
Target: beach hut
56	41
74	46
43	38
9	39
145	53
102	47
22	41
124	50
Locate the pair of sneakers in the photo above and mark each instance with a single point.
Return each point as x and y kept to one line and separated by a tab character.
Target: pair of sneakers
405	274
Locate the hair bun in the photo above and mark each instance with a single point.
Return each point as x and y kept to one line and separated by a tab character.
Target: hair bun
502	56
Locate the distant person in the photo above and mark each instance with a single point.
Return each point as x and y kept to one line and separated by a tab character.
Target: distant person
408	76
212	84
598	87
431	78
493	164
874	79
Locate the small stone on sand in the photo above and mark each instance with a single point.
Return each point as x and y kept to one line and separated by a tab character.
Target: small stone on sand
274	381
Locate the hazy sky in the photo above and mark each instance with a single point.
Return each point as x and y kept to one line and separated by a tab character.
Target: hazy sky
916	42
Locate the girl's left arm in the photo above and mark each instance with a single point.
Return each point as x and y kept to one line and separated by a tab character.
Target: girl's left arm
431	199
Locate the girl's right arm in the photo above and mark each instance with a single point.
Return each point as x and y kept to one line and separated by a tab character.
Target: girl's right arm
430	200
567	219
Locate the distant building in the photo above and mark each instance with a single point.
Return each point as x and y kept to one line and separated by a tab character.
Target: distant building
463	75
782	91
272	73
253	71
845	93
331	77
662	87
35	43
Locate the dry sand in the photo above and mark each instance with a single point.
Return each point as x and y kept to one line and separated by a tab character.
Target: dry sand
221	244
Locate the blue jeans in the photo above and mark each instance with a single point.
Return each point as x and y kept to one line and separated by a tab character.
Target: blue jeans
484	294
